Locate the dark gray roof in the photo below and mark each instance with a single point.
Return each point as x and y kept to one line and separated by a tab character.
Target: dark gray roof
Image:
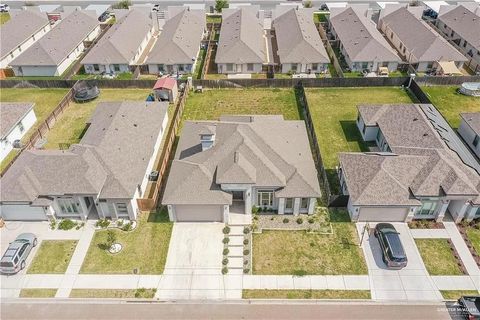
59	42
20	28
297	37
359	35
110	161
121	42
424	43
241	37
473	120
464	19
180	39
265	151
11	113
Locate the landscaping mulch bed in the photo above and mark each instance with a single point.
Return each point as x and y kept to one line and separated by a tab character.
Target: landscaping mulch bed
425	224
314	223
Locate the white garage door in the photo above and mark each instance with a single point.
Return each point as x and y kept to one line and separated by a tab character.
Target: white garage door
22	212
383	214
198	213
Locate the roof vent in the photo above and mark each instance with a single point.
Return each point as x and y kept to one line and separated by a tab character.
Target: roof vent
236	155
415	119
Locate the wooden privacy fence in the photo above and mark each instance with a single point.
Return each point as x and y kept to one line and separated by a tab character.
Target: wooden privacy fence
44	127
151	202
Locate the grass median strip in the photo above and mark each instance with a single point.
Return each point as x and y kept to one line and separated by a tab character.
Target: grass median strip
38	293
455	294
53	256
306	294
141	293
438	257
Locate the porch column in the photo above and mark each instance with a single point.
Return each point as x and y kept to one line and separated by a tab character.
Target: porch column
296	206
226	213
171	213
461	213
248	201
281	205
411	214
470	213
83	207
441	212
311	205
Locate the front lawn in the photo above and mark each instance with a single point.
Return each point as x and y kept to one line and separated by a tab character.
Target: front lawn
438	257
144	248
451	103
4	17
334	113
303	253
473	235
306	294
53	256
71	124
455	294
38	293
211	104
113	293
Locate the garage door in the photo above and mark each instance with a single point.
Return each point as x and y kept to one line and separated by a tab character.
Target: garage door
201	213
383	214
22	212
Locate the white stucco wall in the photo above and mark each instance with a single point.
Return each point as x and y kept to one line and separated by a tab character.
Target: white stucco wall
304	67
16	134
105	68
154	69
239	68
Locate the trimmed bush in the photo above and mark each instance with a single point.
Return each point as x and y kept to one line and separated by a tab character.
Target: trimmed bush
102	223
119	222
226	240
66	224
246	230
299	273
311	220
245	262
245	241
255	209
285	220
225	261
127	227
224	270
226	230
53	224
246	270
246	251
226	251
299	220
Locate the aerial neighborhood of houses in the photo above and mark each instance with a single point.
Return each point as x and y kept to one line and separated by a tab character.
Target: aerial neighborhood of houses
284	150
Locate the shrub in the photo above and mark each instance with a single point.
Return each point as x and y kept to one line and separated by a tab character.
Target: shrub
226	251
226	230
53	224
246	251
285	220
311	220
80	225
225	261
66	224
102	223
226	240
127	227
111	239
119	222
246	270
224	270
246	230
299	273
245	241
255	209
299	220
245	262
123	4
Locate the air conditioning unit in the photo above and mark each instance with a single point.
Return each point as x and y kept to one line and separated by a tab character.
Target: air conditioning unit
153	176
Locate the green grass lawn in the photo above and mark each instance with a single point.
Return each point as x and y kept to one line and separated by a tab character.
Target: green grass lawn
215	76
306	294
301	253
4	17
455	294
334	112
144	248
38	293
199	64
437	257
354	74
214	19
320	17
53	256
71	125
211	104
450	103
113	293
474	237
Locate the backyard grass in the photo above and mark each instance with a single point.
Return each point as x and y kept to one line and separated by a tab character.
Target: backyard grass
211	104
214	19
53	256
455	294
4	17
334	113
113	293
450	103
320	17
71	125
302	253
38	293
305	294
144	248
474	237
354	74
437	257
199	64
215	76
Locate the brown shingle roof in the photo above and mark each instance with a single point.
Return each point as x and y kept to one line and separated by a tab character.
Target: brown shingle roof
11	113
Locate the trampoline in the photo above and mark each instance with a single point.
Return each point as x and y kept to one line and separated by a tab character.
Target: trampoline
470	89
85	90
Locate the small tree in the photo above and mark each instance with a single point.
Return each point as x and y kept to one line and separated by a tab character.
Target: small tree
122	4
111	239
308	4
220	5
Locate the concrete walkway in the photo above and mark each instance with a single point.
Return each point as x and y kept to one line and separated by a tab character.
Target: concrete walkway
277	282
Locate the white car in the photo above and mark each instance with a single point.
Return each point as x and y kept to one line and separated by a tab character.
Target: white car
4	8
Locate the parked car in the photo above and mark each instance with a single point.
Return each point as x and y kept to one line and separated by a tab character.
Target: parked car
4	8
14	258
156	8
393	253
104	17
470	307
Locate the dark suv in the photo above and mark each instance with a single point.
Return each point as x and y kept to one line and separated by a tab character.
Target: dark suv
392	250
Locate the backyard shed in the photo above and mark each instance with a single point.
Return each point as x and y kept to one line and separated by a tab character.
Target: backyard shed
166	89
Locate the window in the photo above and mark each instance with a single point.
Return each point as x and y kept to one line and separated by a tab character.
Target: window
249	66
181	68
475	141
289	203
33	37
122	209
96	67
265	198
464	44
21	127
364	65
22	249
391	35
161	67
116	67
294	67
315	66
68	206
477	213
401	46
229	66
304	203
427	208
430	65
19	49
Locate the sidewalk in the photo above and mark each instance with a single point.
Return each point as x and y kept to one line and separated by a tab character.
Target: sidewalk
279	282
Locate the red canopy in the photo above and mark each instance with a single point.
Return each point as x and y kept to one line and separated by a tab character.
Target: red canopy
165	83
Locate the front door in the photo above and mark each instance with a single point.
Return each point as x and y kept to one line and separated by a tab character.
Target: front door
237	195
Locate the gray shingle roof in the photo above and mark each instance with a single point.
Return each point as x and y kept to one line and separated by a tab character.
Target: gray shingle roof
473	120
121	42
19	28
424	43
360	37
421	163
180	39
59	42
298	39
464	20
11	113
241	37
110	160
263	150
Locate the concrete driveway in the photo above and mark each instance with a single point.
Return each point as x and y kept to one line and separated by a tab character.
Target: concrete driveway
410	283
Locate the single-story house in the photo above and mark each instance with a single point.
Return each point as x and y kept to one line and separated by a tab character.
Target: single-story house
419	170
239	162
242	44
166	89
416	42
178	45
16	118
122	45
100	177
460	24
300	48
469	130
362	45
24	28
56	51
